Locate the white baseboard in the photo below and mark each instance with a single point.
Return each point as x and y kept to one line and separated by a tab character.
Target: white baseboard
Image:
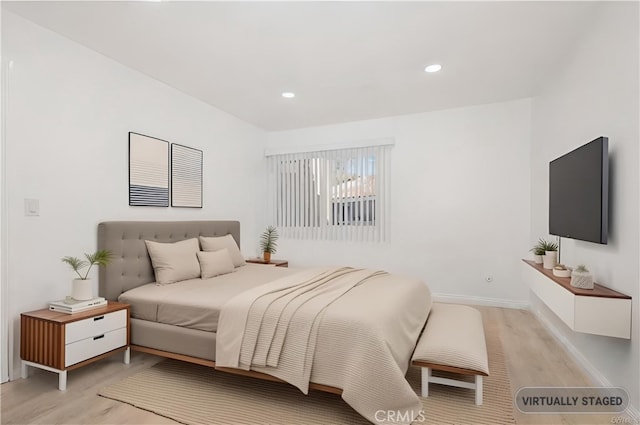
490	302
595	375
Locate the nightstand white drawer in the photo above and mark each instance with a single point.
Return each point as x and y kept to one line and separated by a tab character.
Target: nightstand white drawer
95	326
94	346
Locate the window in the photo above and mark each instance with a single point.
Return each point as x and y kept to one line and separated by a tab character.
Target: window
338	194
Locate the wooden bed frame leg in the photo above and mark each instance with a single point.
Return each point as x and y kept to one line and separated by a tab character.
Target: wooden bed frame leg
478	390
426	374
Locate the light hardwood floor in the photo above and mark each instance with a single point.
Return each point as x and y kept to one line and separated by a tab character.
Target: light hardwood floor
534	358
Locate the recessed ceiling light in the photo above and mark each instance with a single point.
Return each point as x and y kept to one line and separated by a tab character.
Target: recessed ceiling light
433	68
288	94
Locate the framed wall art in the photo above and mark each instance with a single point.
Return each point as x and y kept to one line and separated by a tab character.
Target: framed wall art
186	177
148	171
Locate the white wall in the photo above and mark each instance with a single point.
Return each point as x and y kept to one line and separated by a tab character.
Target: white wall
459	199
596	93
4	287
69	113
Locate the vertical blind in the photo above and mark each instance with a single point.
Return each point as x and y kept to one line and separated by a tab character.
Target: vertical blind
338	194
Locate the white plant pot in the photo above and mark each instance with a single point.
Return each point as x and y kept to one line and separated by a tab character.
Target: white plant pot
550	259
537	259
82	289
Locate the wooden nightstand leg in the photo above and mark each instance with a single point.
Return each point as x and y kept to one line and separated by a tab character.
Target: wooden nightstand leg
25	370
62	380
127	355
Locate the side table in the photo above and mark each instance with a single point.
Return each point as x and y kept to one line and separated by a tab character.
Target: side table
59	342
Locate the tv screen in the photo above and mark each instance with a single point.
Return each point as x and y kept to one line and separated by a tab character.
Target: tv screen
579	193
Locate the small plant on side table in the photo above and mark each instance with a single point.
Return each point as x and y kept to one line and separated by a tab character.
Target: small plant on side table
268	243
82	285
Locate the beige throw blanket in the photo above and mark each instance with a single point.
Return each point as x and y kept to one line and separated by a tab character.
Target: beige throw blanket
275	328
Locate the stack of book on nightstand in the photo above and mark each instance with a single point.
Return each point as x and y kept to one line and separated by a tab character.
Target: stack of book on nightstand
71	305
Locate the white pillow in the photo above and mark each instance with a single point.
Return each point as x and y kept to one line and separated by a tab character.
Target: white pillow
217	243
215	263
173	262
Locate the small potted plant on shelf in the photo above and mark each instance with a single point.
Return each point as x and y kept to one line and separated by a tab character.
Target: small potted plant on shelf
581	278
538	251
82	287
268	243
550	257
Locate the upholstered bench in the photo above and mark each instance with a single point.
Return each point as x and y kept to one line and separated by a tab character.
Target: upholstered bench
452	341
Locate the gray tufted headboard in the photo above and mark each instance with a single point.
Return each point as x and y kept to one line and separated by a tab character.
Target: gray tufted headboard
131	265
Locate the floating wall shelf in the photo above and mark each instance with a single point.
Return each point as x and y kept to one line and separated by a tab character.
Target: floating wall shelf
598	311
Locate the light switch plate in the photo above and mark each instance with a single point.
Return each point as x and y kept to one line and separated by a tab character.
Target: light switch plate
32	207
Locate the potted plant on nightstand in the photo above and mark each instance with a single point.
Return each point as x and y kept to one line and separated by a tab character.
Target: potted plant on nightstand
82	288
268	243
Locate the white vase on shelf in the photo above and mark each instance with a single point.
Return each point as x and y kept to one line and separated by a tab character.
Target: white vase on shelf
550	259
82	289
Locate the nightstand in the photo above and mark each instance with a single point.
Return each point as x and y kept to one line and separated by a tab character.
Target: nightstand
60	342
277	263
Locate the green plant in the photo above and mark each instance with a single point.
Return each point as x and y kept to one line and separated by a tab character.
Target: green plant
537	250
542	246
268	240
101	258
581	268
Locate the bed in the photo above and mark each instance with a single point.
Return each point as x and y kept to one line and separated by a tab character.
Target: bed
363	340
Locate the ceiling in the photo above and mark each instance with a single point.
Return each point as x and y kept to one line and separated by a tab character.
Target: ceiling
346	61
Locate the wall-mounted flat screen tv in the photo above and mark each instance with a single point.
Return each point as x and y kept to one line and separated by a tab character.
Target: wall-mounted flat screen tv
579	193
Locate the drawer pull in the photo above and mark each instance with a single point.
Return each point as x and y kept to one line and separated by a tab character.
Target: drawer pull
98	337
98	318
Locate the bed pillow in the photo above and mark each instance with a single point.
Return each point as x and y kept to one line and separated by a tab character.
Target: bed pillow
217	243
173	262
215	263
